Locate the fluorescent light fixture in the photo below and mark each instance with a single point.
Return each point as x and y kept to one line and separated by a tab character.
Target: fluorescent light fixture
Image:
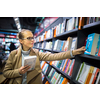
16	19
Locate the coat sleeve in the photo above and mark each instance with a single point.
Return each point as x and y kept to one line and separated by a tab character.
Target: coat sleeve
55	56
8	71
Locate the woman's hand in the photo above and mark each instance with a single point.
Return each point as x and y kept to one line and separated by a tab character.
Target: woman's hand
23	70
79	51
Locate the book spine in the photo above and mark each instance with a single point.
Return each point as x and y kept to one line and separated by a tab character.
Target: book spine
70	73
95	76
80	70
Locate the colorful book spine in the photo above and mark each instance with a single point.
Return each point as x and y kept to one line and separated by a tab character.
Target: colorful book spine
93	74
84	74
80	70
50	73
62	64
89	75
72	61
67	65
65	81
71	69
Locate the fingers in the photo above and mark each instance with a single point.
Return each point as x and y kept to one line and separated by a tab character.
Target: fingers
24	69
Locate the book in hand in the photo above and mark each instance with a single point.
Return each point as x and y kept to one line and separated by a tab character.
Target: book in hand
30	61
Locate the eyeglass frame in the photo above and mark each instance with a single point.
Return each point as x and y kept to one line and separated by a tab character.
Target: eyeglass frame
28	39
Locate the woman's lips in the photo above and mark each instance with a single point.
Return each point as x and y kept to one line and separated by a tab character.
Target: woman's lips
32	43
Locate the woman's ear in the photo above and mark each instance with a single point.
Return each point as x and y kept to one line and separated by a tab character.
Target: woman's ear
21	41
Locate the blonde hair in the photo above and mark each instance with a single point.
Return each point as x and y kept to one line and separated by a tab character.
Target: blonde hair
21	34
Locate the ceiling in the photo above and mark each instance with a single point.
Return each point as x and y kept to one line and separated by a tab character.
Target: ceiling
8	24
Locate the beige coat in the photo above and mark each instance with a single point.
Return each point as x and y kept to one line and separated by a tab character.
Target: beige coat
14	62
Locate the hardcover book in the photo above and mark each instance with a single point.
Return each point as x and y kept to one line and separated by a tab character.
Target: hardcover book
30	61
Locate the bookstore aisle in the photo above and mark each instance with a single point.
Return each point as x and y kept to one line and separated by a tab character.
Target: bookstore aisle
5	40
69	33
58	35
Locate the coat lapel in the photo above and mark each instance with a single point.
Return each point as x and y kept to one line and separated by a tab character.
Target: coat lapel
33	73
18	58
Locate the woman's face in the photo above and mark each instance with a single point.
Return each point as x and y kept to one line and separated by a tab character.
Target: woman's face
28	41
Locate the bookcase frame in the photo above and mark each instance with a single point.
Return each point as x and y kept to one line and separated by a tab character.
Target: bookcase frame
81	36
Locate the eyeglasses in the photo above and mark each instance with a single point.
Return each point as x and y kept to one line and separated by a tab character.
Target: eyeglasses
28	38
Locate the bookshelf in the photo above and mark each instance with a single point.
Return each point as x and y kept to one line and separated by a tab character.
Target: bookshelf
57	69
81	36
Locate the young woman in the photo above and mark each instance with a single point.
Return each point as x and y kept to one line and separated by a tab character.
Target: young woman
15	69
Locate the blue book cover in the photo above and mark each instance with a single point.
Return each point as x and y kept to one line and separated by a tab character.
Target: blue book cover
62	64
61	45
61	80
89	43
51	33
59	64
98	46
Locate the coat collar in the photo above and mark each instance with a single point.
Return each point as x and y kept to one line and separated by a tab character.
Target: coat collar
19	54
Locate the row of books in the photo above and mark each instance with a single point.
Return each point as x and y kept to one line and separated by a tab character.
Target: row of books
41	45
88	74
57	78
72	23
64	65
44	45
92	19
87	20
59	45
48	45
44	66
45	35
48	34
69	44
66	25
37	45
93	44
